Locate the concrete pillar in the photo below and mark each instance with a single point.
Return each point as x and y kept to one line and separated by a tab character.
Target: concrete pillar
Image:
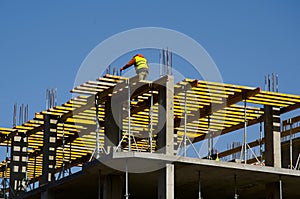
111	128
49	149
273	190
18	165
165	139
113	187
166	182
272	136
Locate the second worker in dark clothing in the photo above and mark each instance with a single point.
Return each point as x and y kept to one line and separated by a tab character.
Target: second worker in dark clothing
141	66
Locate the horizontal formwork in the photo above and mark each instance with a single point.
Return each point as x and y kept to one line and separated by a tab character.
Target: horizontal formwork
207	106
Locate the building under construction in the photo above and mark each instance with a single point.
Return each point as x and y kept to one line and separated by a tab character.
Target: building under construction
124	138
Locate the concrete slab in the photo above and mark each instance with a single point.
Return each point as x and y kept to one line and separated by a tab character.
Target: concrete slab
217	178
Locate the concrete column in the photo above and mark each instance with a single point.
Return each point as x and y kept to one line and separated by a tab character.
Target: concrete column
165	140
49	149
273	190
166	182
272	136
113	187
111	128
18	165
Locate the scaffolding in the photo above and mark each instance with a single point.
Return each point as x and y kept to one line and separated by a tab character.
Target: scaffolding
201	111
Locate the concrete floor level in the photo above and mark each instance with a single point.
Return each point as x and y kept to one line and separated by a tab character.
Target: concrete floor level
217	179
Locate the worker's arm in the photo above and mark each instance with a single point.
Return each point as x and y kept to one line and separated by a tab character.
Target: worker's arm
130	63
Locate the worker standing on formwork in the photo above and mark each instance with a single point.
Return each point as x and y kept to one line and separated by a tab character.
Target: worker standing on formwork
141	66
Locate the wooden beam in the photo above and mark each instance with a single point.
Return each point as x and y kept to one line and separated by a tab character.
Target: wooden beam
209	109
232	128
8	137
289	108
75	162
287	132
293	120
256	143
59	143
239	148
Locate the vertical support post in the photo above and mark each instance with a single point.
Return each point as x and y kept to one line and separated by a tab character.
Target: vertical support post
185	121
129	125
212	143
70	157
63	150
151	123
272	136
236	196
49	149
245	131
291	144
199	186
166	182
97	152
260	142
280	187
34	171
126	181
165	137
209	138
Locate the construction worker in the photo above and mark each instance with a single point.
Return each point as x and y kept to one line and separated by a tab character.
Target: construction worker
141	66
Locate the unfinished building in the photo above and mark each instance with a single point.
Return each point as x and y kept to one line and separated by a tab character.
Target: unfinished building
138	139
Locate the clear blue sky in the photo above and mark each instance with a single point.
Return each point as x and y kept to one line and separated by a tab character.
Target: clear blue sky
42	44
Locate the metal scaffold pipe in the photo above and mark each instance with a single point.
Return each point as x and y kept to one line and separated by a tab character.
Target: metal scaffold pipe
185	122
260	142
151	123
126	181
199	185
128	104
97	155
245	131
280	187
236	196
291	144
209	138
63	149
